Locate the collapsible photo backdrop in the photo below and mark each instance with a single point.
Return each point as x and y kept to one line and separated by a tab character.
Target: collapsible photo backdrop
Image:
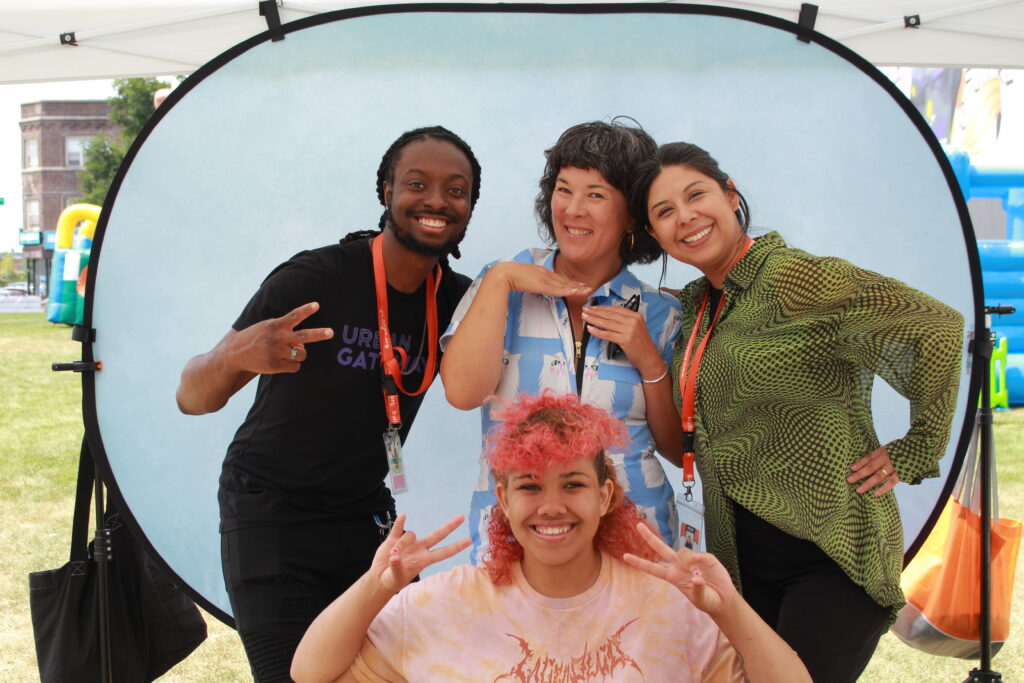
273	148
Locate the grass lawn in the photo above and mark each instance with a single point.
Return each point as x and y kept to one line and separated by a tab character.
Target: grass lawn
40	413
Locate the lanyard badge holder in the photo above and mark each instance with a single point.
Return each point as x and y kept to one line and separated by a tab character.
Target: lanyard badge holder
688	390
688	383
392	441
391	368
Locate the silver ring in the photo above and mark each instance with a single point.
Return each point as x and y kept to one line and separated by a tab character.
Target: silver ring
294	354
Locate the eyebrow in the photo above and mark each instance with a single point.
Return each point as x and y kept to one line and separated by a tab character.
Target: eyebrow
566	475
685	189
591	186
453	175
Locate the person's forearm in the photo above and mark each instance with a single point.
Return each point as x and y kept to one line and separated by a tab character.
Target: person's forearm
332	642
471	366
767	658
209	380
663	420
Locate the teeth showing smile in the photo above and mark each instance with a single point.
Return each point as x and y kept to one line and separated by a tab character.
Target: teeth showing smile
432	222
576	232
697	236
552	530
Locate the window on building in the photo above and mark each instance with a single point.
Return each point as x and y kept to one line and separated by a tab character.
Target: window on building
74	151
31	153
32	214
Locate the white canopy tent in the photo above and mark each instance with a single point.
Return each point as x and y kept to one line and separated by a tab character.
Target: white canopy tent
122	38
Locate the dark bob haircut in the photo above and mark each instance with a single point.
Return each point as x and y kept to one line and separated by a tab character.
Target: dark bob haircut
614	150
680	154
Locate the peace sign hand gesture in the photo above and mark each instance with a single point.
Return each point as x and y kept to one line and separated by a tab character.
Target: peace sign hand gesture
698	576
402	555
274	345
765	657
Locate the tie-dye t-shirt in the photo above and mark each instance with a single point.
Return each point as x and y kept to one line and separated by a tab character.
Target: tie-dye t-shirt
538	355
628	626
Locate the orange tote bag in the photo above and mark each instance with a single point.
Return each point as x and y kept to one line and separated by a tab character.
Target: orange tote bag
943	581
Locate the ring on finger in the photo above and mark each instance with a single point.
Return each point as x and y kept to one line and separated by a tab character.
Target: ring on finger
885	472
294	353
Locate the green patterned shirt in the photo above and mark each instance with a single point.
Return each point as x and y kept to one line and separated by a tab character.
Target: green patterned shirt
783	402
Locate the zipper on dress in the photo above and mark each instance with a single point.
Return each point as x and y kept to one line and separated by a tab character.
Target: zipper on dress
579	345
580	366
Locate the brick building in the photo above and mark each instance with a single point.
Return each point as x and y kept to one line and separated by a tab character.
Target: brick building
54	139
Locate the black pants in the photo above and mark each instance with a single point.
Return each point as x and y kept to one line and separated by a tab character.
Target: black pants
280	578
828	619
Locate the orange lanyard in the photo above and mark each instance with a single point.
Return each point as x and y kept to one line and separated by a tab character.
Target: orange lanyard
688	379
391	368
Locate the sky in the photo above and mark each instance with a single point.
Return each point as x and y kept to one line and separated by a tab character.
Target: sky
11	99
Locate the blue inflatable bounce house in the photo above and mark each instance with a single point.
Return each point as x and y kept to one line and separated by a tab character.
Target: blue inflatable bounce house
1002	265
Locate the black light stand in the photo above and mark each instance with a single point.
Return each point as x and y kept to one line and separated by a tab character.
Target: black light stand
102	554
983	344
102	544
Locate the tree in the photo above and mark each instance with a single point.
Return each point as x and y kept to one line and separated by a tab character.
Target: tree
8	273
101	163
129	109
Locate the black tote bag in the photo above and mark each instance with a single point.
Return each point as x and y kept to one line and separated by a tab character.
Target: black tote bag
153	624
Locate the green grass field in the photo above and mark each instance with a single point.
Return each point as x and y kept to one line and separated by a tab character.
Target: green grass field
40	413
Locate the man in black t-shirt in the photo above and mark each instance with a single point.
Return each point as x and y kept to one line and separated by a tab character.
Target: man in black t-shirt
302	496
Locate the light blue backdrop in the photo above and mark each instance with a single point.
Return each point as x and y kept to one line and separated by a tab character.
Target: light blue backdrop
277	151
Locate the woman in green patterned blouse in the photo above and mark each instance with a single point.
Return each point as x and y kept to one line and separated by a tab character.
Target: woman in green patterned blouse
797	487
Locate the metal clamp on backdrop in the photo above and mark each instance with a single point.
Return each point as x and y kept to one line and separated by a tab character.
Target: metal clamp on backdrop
268	10
808	17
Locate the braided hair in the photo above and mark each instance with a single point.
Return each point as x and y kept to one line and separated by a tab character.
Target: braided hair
386	173
386	170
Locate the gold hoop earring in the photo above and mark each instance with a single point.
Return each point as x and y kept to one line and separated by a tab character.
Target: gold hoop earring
632	240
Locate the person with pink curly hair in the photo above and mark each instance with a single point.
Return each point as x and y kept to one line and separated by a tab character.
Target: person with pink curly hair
538	434
577	586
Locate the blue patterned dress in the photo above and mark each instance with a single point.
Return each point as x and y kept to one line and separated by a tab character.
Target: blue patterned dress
538	354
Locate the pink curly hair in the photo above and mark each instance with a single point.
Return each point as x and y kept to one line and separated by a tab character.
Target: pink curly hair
538	432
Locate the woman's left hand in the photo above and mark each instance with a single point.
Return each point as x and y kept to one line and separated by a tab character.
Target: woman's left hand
698	576
402	555
874	469
627	329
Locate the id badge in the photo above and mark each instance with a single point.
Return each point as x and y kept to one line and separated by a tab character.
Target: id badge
396	468
691	523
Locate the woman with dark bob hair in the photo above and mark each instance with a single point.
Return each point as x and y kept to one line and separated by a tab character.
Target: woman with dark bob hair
575	320
785	345
578	588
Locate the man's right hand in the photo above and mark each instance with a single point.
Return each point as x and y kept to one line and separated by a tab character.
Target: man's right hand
274	345
264	348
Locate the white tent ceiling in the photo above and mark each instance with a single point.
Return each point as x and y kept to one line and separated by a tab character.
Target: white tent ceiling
120	38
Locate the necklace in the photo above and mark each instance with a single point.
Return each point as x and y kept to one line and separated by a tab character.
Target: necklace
419	352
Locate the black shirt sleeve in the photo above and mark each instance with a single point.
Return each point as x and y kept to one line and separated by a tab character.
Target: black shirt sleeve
295	282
